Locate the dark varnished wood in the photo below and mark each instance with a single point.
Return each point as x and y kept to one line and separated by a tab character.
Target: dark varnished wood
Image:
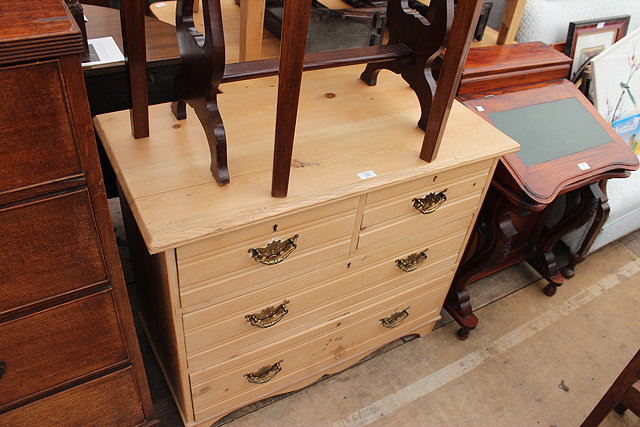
44	253
32	33
462	30
203	60
41	350
528	63
89	155
101	402
623	394
133	35
544	181
41	114
426	37
295	24
65	316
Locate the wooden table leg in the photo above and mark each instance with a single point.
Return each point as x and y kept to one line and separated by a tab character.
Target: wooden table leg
511	21
251	27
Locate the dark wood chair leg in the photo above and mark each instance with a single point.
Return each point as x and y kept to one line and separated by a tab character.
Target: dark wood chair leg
203	58
295	23
133	35
461	35
621	387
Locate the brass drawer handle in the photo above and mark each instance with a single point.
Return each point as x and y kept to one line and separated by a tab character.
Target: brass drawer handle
431	202
412	262
275	252
3	367
264	374
395	319
269	316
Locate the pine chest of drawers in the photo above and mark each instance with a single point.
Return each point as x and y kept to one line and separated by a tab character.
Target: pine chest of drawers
246	296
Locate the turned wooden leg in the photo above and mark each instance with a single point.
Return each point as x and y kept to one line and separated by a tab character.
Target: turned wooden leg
463	333
179	109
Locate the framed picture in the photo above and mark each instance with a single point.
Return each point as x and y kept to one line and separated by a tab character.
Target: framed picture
586	39
616	79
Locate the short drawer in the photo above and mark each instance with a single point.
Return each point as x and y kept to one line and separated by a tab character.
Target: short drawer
300	247
307	356
49	247
51	347
106	401
280	227
301	303
37	139
421	186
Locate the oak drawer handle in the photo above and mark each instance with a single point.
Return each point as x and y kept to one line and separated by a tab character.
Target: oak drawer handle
264	374
395	319
430	203
412	262
275	252
3	367
269	316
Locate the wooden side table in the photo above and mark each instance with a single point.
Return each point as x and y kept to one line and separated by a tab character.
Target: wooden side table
566	148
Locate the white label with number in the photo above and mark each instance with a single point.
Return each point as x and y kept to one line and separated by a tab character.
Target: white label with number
367	174
584	166
479	108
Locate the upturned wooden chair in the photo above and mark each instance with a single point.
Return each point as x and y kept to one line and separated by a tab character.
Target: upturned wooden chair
415	41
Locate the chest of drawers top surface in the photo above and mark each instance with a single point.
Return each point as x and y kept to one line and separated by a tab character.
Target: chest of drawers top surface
344	127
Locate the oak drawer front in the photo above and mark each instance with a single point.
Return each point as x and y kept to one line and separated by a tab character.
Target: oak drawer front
49	247
51	347
279	227
352	335
399	229
294	246
38	143
209	334
106	401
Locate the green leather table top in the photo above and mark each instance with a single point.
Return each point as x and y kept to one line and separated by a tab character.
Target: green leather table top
550	130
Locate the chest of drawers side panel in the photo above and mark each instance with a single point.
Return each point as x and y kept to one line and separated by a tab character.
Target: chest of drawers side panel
88	150
157	283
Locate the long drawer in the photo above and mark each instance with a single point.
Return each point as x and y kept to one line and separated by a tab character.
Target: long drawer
212	338
306	355
53	346
106	401
49	247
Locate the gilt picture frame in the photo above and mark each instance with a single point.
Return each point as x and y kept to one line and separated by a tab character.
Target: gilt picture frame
586	39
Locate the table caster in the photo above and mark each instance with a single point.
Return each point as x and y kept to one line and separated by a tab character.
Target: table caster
550	290
463	333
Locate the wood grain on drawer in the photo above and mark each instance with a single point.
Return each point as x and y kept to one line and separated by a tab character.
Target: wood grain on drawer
397	229
307	355
212	337
51	347
429	182
37	141
236	260
266	230
106	401
49	247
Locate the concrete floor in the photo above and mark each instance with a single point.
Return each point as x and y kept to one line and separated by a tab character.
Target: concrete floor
533	361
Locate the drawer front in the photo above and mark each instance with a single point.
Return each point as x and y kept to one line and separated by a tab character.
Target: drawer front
399	229
51	347
284	225
208	333
38	143
307	355
106	401
49	247
420	186
238	259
